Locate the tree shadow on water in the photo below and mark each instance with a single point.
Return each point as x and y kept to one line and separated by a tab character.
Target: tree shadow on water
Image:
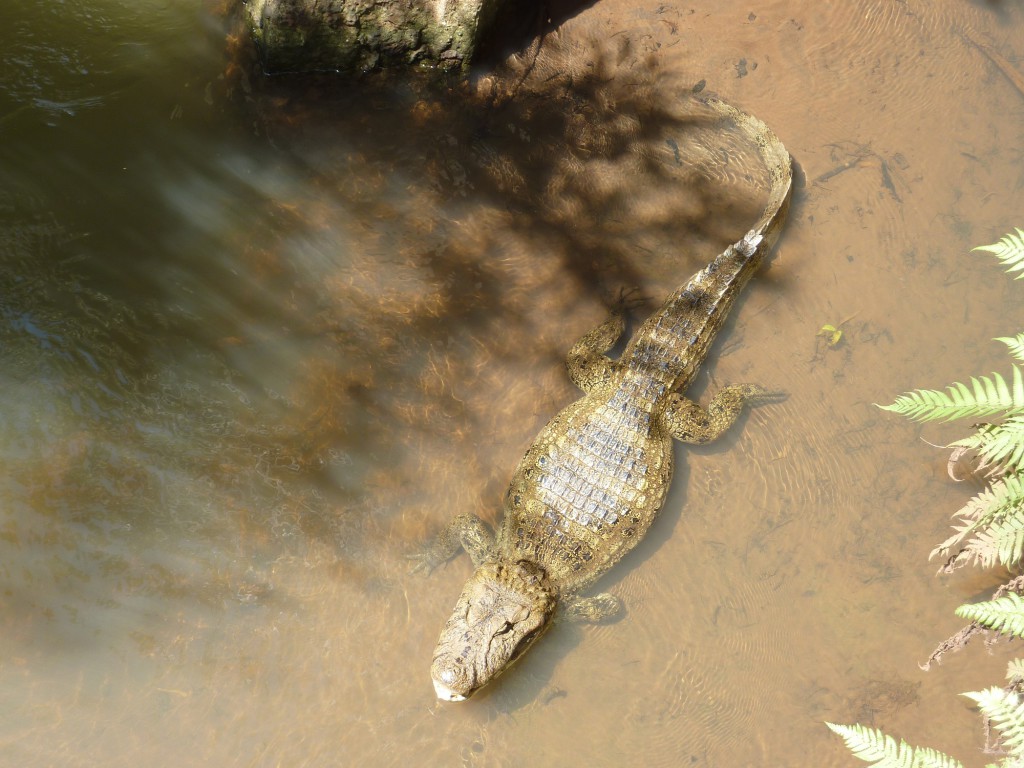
449	234
585	146
407	291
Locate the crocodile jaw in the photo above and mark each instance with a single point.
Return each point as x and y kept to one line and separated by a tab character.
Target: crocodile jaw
444	693
501	612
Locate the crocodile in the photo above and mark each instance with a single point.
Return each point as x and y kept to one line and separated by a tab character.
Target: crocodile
596	476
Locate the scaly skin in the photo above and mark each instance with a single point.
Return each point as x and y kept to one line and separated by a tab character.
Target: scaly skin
593	481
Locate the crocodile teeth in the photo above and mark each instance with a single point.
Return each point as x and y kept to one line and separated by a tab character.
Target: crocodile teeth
447	694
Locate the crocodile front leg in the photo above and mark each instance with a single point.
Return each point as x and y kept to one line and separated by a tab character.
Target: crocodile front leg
592	610
685	420
587	364
467	532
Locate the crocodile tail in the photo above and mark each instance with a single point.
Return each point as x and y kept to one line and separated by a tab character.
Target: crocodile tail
674	341
780	170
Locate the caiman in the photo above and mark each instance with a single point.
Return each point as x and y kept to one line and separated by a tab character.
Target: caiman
593	481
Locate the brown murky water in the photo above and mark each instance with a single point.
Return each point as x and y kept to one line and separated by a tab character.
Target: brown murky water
260	340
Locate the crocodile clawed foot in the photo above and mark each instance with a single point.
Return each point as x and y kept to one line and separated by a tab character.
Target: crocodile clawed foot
426	562
594	610
628	300
754	394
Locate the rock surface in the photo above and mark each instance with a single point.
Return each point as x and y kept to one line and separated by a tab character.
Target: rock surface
360	35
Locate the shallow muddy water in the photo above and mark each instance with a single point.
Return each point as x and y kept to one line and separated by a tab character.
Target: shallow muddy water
261	339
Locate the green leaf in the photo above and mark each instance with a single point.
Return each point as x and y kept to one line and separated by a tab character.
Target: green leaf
1015	343
1009	250
1004	614
1006	712
985	397
873	746
831	334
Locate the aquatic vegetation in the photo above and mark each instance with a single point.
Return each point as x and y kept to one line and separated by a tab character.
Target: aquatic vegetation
989	531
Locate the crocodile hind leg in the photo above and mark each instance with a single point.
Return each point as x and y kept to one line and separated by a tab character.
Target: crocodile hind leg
690	423
587	364
467	532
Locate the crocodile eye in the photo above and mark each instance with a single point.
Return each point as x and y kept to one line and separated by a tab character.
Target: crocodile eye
524	642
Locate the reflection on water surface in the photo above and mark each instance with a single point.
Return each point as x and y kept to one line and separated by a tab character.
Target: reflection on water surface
260	339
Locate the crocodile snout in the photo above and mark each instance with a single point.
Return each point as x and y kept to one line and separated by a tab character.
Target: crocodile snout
444	693
450	681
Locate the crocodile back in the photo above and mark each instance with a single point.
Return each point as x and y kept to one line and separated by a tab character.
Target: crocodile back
589	487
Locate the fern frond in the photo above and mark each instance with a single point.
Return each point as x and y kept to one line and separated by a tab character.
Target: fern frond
1001	543
1004	614
1002	500
985	397
870	744
1016	345
1015	671
1009	250
999	446
1005	710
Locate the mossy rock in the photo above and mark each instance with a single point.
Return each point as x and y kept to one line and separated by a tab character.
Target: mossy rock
355	36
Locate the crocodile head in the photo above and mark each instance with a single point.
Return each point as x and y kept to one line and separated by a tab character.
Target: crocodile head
502	610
